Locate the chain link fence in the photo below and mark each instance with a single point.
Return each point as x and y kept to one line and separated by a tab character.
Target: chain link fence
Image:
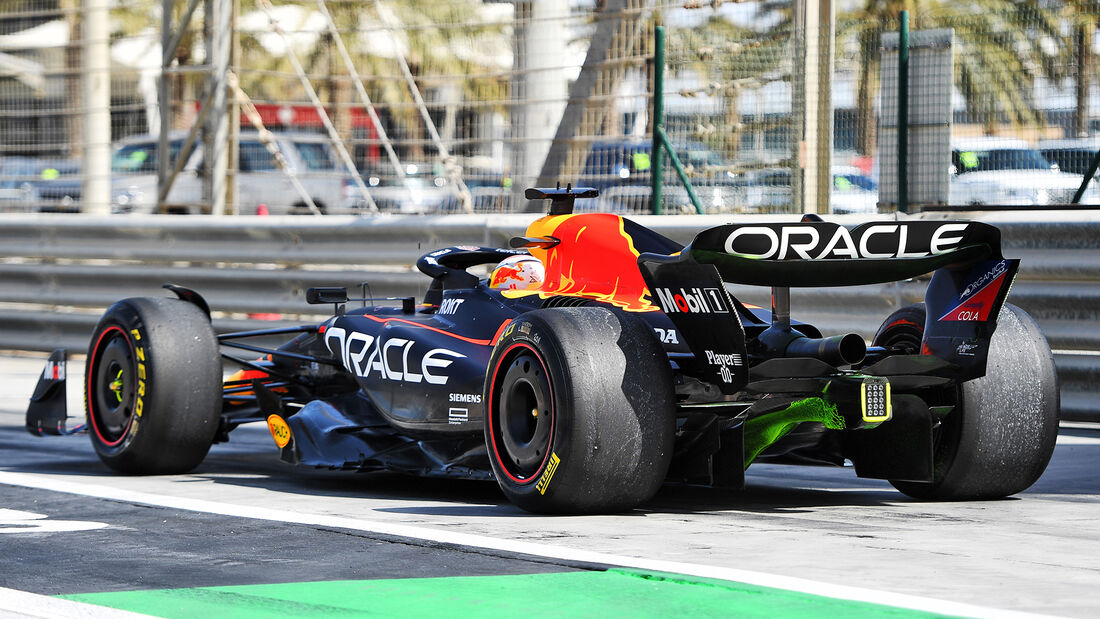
458	105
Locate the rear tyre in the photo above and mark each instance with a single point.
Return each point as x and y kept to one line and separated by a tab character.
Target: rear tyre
580	415
999	438
153	386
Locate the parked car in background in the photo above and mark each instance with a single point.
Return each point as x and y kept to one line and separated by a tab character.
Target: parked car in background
622	171
853	191
17	191
59	185
769	190
1073	155
637	199
629	163
49	185
766	190
422	189
1009	172
259	179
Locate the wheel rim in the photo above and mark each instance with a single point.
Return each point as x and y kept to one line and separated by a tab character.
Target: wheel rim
523	417
112	386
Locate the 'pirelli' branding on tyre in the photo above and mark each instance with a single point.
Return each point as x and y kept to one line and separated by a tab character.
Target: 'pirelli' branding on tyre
548	473
692	300
139	353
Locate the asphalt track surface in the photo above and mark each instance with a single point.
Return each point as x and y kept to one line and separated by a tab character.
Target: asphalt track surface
246	535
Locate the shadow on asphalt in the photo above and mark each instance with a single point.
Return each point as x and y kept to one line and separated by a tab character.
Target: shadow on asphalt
253	462
769	488
1073	468
765	498
376	485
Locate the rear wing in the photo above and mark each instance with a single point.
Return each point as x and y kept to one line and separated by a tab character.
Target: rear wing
969	286
827	254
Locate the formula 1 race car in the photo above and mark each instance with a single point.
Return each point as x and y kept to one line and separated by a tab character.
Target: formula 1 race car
627	365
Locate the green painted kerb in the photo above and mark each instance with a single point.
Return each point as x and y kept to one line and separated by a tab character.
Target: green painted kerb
614	593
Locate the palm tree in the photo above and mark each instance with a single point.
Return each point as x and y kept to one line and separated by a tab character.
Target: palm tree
433	35
1002	46
730	58
1081	16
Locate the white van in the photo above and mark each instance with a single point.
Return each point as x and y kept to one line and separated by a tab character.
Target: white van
259	180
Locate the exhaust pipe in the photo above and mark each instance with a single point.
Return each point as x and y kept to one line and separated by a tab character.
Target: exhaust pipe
780	340
837	350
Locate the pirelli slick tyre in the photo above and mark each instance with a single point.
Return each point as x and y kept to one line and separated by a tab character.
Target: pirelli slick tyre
153	386
999	439
580	412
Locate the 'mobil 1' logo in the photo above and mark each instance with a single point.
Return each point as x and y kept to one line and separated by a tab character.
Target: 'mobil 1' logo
691	300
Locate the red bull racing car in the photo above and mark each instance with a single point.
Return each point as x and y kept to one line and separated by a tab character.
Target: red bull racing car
617	362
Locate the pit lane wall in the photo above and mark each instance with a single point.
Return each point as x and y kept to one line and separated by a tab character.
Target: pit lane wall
59	272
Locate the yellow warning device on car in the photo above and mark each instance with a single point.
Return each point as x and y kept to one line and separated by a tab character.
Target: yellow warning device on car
874	399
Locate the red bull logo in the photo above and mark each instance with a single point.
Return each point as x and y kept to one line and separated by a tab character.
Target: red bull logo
506	277
518	273
596	259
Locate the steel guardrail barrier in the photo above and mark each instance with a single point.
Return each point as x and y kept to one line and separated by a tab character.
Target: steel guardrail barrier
59	272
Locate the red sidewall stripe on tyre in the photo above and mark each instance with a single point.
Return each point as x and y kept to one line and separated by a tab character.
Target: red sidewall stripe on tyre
92	365
492	426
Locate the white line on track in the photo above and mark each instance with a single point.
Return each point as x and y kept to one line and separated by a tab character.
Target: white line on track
15	603
1077	440
512	546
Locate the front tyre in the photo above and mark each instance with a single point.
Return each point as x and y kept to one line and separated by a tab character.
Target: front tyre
580	414
1001	434
153	386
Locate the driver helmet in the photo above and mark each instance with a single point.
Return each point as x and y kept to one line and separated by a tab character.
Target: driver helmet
520	272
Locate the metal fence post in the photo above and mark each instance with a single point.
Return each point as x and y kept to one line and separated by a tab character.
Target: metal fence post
217	28
96	189
658	116
903	113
